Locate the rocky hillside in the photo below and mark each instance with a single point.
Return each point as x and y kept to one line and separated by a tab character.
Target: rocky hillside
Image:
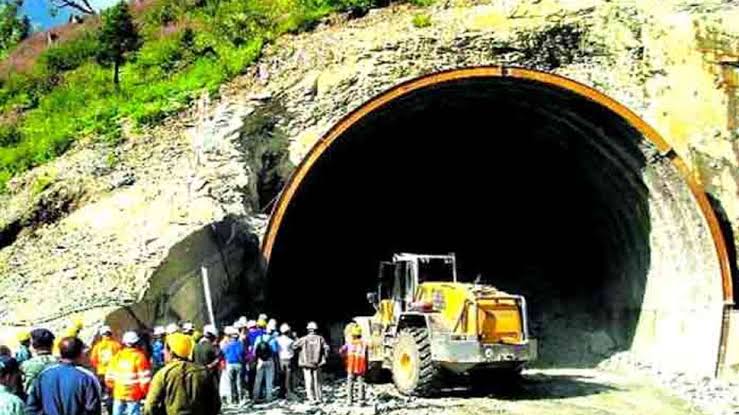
93	230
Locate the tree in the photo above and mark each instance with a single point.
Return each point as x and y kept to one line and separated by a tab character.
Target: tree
13	27
118	37
83	6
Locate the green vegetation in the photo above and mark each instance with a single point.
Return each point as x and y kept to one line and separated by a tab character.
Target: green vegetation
118	37
13	27
421	20
42	182
175	50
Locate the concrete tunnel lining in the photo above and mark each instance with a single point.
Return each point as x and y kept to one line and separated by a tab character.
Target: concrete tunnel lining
633	213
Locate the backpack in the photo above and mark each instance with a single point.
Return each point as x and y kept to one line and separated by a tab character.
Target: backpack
263	350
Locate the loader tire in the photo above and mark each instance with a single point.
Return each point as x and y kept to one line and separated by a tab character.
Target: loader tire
414	372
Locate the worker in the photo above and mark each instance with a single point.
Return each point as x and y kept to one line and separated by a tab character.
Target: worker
265	351
355	353
42	341
206	351
157	349
73	330
100	357
272	327
285	354
11	387
254	330
234	356
66	388
313	352
172	328
128	376
181	387
24	352
188	328
240	325
272	331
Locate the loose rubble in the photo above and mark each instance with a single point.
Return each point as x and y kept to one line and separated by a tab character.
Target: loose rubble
713	396
551	391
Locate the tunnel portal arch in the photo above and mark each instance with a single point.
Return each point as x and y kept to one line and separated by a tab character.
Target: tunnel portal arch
662	186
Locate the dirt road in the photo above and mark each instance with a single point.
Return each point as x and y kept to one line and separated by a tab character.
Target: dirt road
560	391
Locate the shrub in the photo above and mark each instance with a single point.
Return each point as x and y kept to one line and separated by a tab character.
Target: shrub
9	135
356	7
162	14
160	57
70	55
42	182
421	20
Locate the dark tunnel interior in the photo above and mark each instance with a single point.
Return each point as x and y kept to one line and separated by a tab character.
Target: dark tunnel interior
536	188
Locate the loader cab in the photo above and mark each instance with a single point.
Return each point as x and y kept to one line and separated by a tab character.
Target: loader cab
399	279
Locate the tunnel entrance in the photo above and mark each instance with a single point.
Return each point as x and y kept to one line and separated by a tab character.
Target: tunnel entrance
538	188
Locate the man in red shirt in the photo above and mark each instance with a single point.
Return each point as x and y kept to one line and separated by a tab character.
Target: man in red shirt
355	352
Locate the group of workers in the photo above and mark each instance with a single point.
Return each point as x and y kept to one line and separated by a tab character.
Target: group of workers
172	370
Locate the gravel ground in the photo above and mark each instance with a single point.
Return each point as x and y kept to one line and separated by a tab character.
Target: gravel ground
550	391
712	396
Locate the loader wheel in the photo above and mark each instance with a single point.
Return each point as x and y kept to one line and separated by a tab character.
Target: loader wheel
414	373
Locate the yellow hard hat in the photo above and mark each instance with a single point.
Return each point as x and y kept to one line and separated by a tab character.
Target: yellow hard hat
71	332
180	344
262	323
356	330
24	336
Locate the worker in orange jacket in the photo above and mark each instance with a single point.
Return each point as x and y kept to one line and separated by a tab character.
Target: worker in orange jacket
100	356
355	352
129	376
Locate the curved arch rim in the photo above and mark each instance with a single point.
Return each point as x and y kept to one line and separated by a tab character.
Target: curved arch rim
649	133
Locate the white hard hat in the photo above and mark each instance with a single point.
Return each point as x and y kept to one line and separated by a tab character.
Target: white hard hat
240	323
172	328
188	326
251	324
230	331
284	328
312	326
159	330
105	330
272	325
210	329
130	338
262	316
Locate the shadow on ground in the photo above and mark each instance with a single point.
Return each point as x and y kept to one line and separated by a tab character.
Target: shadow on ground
533	387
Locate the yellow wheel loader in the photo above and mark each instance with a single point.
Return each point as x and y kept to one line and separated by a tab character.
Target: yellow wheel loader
427	325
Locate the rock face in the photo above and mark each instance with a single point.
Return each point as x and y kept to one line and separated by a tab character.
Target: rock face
216	256
101	227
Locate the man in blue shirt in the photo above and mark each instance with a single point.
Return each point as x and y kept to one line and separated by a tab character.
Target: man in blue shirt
157	349
233	354
66	388
265	350
254	330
